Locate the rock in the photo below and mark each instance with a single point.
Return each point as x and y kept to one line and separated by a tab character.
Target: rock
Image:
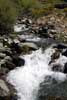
13	92
18	61
65	68
15	47
7	52
52	31
2	55
61	46
55	55
3	71
56	98
44	29
16	41
53	89
57	68
30	45
65	53
1	44
45	35
4	90
10	65
7	91
61	5
2	49
8	58
51	26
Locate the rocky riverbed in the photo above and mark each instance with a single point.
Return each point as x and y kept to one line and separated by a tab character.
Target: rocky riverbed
31	35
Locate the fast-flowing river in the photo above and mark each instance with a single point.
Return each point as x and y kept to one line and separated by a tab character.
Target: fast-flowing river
27	79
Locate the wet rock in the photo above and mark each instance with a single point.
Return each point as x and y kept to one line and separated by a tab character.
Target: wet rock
57	68
43	32
32	46
10	65
61	46
15	47
14	97
55	55
44	35
64	53
65	68
53	91
18	61
44	29
13	92
4	90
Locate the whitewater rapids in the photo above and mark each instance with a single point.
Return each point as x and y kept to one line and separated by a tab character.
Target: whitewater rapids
26	79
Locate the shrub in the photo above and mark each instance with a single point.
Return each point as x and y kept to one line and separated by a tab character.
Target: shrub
42	11
7	16
65	11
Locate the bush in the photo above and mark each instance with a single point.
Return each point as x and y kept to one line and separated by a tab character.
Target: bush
7	16
65	10
42	11
55	1
29	4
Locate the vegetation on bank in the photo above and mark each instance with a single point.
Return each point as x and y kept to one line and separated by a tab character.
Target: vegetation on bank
8	16
10	10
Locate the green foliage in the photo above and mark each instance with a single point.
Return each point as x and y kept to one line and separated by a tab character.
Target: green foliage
7	16
55	1
44	10
26	4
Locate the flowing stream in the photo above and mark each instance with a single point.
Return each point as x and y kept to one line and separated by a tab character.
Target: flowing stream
27	79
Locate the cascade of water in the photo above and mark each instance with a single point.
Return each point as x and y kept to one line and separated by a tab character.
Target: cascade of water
27	78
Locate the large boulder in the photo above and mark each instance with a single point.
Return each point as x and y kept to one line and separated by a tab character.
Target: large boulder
50	89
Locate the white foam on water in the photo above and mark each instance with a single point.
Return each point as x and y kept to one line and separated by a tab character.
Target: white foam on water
26	79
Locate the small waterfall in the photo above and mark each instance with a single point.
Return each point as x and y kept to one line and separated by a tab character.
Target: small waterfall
26	79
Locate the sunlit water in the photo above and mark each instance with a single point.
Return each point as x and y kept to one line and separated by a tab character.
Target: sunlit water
26	79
